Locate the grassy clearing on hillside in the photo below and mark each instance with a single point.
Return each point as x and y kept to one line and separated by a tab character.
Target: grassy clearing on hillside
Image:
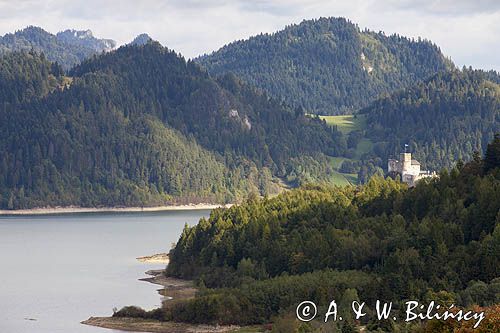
346	123
351	178
339	179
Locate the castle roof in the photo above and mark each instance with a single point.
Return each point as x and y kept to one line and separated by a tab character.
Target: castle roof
415	162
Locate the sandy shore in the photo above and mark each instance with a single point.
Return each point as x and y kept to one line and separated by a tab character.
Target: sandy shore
173	289
74	209
160	258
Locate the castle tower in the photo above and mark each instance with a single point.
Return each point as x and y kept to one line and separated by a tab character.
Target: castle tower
408	169
405	159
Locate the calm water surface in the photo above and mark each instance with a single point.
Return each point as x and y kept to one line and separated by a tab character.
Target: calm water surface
60	270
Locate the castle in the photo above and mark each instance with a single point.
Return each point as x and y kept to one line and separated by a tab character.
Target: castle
408	169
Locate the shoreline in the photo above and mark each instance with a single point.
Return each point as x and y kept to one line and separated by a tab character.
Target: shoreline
173	288
75	209
154	326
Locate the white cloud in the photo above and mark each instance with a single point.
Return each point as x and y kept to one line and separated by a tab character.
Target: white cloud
467	31
447	7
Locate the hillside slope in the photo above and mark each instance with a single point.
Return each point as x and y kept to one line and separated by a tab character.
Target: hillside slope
328	65
27	76
141	126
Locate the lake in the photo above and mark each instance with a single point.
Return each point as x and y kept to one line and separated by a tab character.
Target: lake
61	269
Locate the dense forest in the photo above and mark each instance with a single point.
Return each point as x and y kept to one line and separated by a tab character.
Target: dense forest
443	119
438	241
67	48
27	76
328	65
141	126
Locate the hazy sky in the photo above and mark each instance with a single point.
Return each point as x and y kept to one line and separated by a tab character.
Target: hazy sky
468	31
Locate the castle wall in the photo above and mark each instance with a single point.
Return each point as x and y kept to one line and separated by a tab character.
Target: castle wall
394	166
410	172
413	169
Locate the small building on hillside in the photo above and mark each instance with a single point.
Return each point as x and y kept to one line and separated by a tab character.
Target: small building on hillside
408	169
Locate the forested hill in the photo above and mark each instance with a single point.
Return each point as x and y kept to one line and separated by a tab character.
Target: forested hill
67	48
444	119
438	241
224	115
328	65
141	126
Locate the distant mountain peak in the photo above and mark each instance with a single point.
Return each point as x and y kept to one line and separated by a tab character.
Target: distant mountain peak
87	38
141	39
68	47
78	33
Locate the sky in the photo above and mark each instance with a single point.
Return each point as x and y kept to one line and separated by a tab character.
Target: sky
468	31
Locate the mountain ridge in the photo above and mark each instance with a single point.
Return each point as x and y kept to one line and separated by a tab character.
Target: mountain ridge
328	65
67	48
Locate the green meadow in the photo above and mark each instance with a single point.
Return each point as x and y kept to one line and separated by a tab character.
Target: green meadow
347	124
